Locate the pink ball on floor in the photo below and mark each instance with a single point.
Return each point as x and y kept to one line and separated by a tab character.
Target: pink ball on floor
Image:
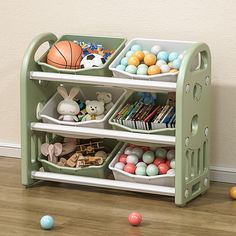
130	168
134	218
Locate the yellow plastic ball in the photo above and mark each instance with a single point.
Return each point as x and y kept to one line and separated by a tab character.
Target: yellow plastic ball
153	70
133	60
150	59
232	193
139	54
173	70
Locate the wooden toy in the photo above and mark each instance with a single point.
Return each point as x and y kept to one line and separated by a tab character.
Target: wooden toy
101	154
90	148
232	192
65	54
52	151
62	162
134	218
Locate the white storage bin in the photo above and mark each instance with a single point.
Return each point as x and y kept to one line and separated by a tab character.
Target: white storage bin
49	112
166	45
162	180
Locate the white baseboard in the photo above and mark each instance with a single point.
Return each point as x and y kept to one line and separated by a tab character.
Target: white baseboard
219	174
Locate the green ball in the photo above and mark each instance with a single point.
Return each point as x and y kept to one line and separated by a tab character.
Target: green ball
152	170
129	54
143	65
161	153
131	69
142	71
148	157
120	67
140	170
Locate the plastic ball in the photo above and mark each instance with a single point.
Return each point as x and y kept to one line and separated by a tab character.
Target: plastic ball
170	154
164	68
124	61
134	218
132	158
152	170
172	164
173	56
141	164
139	54
232	192
122	158
129	54
160	63
168	163
142	71
158	161
130	168
153	70
150	59
148	157
138	152
119	165
161	153
155	49
171	172
136	47
145	52
173	70
163	168
170	64
47	222
131	69
128	150
133	60
163	55
181	56
141	170
176	63
143	65
120	67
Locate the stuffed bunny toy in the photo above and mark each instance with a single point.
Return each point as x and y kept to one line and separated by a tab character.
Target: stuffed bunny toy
68	108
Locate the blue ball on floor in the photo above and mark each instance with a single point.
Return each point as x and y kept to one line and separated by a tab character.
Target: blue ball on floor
47	222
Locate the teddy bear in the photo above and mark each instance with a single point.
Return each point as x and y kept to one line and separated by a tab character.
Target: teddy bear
95	110
106	98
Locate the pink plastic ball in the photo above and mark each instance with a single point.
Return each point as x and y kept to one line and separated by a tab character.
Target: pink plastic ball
123	158
134	218
158	161
130	168
163	168
168	163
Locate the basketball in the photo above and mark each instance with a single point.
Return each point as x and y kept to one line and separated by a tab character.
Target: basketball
65	55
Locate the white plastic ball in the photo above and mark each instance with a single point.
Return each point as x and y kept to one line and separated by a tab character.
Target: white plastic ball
141	170
137	151
142	65
129	54
181	56
145	52
119	165
170	154
120	67
124	61
160	63
172	164
148	157
155	49
164	68
128	150
132	158
136	47
141	164
171	172
47	222
142	71
161	153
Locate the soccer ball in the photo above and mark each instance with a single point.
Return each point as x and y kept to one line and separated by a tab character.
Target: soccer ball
92	60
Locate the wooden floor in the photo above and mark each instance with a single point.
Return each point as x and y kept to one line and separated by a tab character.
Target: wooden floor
92	211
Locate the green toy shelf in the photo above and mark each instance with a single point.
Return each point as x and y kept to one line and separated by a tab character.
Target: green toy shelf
191	137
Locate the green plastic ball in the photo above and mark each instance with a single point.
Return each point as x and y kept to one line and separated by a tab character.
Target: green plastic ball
140	170
124	61
161	153
148	157
152	170
120	67
172	164
143	65
136	47
129	54
131	69
142	71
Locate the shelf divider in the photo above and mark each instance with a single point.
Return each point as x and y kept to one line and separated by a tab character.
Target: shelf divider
104	183
139	85
73	131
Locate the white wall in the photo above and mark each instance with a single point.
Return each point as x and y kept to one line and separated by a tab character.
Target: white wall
204	20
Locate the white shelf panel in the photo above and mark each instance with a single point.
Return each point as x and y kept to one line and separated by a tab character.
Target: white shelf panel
103	133
103	183
139	85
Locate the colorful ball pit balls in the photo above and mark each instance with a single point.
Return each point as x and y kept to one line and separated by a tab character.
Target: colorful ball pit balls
168	163
133	60
131	69
161	153
173	56
145	52
172	164
173	70
154	70
176	64
129	54
140	170
155	49
128	150
152	170
123	158
164	68
124	61
163	168
137	151
158	161
47	222
163	55
148	157
232	192
130	168
150	59
119	165
139	54
136	47
160	63
132	158
121	67
134	218
170	154
141	164
171	172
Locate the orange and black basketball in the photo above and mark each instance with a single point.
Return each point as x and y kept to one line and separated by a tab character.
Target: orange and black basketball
65	55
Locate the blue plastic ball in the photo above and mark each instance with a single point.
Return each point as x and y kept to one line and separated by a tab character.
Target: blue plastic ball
124	61
131	69
136	47
47	222
173	56
176	64
163	55
120	67
129	54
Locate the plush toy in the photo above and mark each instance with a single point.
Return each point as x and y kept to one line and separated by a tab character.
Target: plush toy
95	110
147	98
171	99
68	108
106	98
